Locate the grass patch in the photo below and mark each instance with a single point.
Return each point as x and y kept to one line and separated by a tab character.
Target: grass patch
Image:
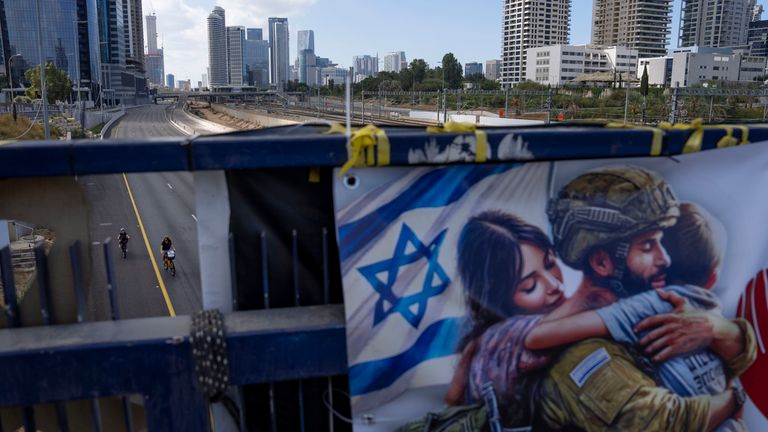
10	129
96	130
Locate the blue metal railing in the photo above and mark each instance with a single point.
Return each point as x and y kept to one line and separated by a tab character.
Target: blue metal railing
151	356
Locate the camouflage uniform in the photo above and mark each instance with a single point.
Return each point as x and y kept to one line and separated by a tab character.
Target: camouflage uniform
616	395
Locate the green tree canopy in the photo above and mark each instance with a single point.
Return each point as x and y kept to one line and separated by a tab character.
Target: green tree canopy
452	69
57	83
419	69
644	82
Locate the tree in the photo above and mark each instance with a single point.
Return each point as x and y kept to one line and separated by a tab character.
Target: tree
644	91
57	83
419	69
452	70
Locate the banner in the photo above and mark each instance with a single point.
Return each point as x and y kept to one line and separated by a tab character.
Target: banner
467	288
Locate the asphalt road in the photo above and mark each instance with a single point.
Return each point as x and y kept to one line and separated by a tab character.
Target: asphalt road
165	203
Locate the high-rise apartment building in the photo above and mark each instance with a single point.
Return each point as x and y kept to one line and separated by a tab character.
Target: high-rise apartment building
217	48
365	65
154	60
530	24
134	35
643	25
235	64
279	59
492	68
393	62
715	23
758	38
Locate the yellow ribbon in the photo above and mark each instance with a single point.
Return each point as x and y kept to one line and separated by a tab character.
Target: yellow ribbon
657	139
481	138
365	140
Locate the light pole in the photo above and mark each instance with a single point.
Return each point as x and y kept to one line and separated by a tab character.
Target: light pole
77	67
42	71
10	84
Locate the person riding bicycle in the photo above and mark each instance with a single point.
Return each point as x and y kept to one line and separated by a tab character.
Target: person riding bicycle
165	247
122	238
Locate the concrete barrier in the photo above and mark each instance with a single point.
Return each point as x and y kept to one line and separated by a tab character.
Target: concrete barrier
258	117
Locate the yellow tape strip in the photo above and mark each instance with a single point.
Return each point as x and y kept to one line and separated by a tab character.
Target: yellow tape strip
481	138
361	148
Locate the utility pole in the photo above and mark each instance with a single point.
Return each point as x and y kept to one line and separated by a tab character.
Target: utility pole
42	70
673	110
506	102
626	98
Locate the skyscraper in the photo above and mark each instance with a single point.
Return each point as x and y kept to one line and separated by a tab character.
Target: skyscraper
643	25
279	55
134	35
256	58
235	45
217	48
154	60
393	62
72	46
170	81
492	69
365	65
124	78
530	24
306	41
715	23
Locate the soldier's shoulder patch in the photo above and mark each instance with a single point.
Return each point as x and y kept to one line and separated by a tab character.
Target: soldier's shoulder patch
587	367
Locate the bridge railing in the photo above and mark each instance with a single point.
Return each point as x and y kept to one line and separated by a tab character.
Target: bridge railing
152	357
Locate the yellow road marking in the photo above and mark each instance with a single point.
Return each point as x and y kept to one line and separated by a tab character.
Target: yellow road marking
171	311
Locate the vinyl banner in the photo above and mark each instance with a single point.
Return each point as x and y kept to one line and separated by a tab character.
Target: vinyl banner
622	293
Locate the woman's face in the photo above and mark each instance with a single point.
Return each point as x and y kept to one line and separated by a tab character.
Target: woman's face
540	289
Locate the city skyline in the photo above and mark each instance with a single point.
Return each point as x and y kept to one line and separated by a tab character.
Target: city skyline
183	31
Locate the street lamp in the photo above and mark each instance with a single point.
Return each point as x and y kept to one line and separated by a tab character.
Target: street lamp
10	84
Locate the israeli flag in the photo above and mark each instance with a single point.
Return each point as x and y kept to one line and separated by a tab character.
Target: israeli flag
397	231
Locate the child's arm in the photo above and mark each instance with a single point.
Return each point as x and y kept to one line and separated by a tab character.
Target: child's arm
564	331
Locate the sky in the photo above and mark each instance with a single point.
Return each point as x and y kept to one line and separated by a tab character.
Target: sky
424	29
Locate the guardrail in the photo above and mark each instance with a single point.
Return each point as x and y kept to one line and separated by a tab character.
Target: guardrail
151	357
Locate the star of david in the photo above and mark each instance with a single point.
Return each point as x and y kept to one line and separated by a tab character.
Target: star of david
412	307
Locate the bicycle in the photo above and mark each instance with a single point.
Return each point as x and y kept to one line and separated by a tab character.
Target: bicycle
168	258
124	249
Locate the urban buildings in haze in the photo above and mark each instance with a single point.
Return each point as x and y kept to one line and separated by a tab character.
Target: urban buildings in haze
473	68
530	24
217	48
170	81
492	68
365	66
643	25
279	59
394	61
715	23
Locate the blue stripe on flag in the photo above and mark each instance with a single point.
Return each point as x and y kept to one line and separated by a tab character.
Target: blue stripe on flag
437	340
436	188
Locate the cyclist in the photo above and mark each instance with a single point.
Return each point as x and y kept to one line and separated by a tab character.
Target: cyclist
122	240
165	246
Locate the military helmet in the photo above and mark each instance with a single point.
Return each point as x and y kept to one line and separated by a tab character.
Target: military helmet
608	205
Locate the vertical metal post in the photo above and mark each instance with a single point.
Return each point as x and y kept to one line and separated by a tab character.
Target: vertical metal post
626	98
265	288
711	105
77	275
9	291
506	103
41	264
362	109
673	110
327	300
549	103
42	70
115	312
297	302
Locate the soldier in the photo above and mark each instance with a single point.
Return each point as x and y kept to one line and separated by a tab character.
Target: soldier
609	223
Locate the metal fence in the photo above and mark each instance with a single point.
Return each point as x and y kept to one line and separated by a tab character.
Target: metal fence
148	362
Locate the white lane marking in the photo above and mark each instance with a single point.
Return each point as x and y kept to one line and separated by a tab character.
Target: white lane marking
169	185
106	224
194	217
96	243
